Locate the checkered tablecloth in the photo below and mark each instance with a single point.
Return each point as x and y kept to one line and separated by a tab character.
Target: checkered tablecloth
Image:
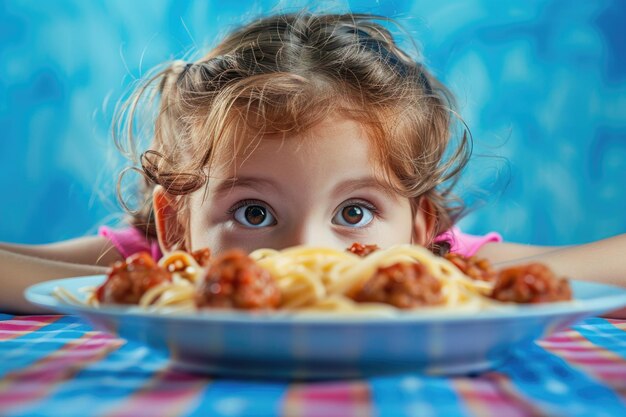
60	366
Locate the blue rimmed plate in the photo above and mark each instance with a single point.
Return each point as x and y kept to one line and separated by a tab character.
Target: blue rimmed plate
235	343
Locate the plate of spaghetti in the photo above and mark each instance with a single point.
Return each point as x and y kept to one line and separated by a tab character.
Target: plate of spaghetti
315	312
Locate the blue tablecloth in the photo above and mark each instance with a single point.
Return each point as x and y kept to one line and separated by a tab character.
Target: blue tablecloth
60	366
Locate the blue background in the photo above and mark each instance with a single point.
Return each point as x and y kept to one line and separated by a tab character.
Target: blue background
542	85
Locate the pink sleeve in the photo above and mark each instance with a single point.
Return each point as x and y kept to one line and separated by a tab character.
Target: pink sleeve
464	244
130	240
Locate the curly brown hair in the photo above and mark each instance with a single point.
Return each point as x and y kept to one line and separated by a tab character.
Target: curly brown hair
283	74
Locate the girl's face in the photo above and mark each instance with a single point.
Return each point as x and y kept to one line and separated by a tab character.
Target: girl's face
320	189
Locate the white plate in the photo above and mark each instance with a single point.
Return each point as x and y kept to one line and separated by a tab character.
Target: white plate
236	343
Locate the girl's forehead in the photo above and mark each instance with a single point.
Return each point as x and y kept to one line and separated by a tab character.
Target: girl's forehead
336	139
303	183
335	147
335	150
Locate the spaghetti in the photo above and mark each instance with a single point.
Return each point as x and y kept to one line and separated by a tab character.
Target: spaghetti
329	280
362	280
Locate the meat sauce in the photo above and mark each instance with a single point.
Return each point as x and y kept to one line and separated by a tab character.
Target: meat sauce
361	249
407	285
234	280
202	256
532	283
403	285
474	267
128	280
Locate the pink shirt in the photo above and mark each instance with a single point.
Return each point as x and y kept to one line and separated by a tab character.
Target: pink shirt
131	240
464	244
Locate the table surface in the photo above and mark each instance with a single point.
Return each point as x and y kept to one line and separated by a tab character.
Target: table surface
61	366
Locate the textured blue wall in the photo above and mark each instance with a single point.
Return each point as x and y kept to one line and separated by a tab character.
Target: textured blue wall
542	87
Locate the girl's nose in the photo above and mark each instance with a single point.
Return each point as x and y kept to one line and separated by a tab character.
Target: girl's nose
312	234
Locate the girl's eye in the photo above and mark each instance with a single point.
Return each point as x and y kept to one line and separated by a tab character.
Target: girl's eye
253	215
354	215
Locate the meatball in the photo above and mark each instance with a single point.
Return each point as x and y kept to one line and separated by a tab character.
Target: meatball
532	283
234	280
361	249
404	285
474	267
128	280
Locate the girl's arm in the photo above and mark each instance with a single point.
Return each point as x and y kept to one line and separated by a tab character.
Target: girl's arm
602	261
92	250
24	265
17	272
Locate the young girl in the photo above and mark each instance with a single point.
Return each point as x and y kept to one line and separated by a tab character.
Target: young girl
297	129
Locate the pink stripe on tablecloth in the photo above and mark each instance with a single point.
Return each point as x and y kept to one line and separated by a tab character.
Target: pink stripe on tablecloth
168	393
333	399
10	329
42	376
593	359
492	395
569	346
620	324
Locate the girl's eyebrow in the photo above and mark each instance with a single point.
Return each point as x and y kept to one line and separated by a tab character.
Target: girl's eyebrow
344	187
352	185
229	184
